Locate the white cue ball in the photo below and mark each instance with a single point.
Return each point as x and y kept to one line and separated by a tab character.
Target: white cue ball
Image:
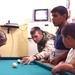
19	61
14	65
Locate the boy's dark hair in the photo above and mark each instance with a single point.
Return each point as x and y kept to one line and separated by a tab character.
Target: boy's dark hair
61	10
69	29
34	29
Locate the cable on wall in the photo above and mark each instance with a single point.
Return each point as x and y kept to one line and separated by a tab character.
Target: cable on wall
23	30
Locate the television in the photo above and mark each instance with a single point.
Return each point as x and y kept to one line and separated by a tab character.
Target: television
41	15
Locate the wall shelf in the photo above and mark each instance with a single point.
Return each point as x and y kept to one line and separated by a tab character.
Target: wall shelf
9	26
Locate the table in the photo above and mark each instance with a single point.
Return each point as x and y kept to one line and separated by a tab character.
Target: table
35	68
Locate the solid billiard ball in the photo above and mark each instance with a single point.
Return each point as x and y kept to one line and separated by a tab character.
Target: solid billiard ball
19	61
14	65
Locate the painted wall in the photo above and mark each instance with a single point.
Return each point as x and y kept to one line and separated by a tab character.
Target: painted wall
17	43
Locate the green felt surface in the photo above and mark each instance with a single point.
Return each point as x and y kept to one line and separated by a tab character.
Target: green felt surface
35	68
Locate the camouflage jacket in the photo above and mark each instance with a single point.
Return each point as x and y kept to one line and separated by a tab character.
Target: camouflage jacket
45	45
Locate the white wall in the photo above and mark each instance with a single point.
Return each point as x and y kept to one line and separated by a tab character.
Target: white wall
21	11
72	4
32	47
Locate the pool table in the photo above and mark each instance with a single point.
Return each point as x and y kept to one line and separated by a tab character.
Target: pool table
35	68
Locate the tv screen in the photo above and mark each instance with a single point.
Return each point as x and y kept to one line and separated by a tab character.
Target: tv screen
41	15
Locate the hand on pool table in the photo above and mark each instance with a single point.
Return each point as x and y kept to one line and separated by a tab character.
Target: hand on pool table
61	67
28	59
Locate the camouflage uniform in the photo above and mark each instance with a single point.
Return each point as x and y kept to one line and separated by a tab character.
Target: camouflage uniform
45	46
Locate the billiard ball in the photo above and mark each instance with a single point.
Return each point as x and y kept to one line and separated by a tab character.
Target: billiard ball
14	65
19	61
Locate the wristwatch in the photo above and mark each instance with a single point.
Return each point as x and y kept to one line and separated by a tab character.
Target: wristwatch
35	57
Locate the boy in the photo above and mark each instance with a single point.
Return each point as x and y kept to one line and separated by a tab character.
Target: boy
68	37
